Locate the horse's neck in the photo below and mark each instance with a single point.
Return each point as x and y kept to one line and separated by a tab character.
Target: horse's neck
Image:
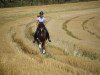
43	31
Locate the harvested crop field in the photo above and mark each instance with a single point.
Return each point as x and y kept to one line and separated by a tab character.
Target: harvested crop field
75	33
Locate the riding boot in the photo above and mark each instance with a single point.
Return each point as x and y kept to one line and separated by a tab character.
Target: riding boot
48	36
36	33
34	37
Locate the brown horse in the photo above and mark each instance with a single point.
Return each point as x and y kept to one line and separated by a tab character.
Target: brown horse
41	39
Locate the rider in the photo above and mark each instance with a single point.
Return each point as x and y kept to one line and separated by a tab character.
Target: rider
41	21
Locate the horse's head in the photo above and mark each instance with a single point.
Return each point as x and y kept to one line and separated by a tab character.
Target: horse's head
42	29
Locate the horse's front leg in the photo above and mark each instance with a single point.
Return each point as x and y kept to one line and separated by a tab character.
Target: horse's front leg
43	47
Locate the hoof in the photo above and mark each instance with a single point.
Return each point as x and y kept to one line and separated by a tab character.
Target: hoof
44	51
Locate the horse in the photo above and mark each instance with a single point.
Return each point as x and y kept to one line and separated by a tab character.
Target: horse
41	38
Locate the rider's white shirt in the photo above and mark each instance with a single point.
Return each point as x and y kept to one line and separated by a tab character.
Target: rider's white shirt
39	19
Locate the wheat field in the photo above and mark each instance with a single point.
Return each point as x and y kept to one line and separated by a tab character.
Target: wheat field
75	33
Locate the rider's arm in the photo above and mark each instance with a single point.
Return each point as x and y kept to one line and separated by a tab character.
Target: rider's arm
37	21
45	21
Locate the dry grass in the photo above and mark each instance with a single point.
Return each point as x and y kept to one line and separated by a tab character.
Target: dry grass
75	46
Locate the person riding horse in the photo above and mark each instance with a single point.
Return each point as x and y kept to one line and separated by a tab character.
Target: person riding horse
41	21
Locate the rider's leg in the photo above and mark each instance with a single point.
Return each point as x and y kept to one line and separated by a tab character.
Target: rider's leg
35	35
48	36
